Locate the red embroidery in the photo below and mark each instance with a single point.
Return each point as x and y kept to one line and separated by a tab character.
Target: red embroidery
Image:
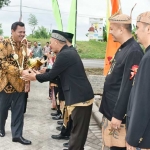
134	71
109	59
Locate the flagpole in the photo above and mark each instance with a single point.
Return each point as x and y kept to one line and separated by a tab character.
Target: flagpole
20	10
75	36
120	7
60	14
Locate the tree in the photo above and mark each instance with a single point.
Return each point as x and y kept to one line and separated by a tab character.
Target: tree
41	32
32	22
4	3
104	33
133	32
1	30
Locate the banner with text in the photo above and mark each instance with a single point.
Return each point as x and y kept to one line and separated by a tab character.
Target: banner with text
95	29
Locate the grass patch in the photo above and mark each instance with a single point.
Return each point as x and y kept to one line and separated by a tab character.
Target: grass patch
86	49
91	49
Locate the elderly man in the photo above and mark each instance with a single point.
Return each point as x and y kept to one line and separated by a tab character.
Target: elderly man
67	123
138	114
119	81
76	87
13	62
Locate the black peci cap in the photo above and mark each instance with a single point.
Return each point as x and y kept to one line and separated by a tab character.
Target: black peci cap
59	35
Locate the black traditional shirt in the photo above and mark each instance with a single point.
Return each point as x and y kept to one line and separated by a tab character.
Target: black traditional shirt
118	84
138	112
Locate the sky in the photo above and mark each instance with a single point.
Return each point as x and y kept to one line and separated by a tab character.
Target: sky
43	12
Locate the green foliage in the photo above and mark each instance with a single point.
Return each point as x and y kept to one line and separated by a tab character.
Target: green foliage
105	33
4	3
39	40
91	49
86	49
41	32
133	32
1	30
32	22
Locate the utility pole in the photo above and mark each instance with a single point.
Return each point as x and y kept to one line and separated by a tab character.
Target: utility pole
20	19
50	29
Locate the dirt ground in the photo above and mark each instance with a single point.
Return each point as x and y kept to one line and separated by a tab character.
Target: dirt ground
94	71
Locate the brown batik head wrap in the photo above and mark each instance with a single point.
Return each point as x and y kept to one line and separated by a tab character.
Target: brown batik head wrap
144	17
121	18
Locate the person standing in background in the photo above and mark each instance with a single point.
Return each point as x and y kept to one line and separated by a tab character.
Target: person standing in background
1	38
37	51
46	51
29	49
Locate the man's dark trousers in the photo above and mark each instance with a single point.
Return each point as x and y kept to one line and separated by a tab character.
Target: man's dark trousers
81	118
17	103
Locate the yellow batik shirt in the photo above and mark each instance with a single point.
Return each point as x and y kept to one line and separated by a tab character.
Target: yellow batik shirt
10	80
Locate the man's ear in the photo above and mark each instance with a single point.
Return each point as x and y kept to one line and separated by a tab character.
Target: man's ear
121	28
148	29
12	31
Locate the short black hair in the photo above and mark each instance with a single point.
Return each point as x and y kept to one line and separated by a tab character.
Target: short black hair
128	27
47	42
16	24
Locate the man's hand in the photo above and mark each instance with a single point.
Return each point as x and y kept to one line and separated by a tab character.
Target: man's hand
31	76
129	147
43	70
115	123
24	72
36	71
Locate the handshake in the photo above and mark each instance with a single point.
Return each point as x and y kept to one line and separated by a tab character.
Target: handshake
30	74
34	65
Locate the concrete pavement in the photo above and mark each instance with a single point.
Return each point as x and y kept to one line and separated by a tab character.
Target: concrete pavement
38	125
93	63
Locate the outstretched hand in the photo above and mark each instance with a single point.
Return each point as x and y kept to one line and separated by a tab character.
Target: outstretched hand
43	70
30	75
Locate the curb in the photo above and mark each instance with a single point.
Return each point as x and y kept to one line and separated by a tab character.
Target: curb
96	114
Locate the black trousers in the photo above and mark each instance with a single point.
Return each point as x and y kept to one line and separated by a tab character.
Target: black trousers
56	91
45	57
81	118
26	99
66	131
117	148
17	103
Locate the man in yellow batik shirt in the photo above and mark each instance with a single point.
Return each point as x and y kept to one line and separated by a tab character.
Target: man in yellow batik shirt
13	64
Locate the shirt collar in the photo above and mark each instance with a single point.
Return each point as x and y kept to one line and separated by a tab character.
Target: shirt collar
126	43
15	43
64	47
147	49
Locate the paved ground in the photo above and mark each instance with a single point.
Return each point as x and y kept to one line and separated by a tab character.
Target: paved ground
93	63
38	125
